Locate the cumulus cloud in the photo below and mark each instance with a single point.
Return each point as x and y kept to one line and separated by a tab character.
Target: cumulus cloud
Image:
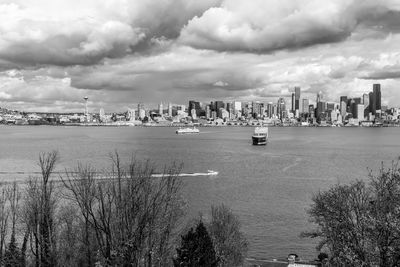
265	26
64	33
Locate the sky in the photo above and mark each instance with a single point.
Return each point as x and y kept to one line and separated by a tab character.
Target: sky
121	52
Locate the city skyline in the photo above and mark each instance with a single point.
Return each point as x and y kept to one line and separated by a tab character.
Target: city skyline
118	53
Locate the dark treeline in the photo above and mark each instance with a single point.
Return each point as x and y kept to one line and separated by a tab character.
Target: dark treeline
127	218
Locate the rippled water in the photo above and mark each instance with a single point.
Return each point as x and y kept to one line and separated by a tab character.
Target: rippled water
269	188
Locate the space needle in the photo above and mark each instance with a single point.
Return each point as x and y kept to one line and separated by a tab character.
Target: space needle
86	108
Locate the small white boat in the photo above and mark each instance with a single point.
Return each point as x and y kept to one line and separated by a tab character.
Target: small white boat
187	130
260	136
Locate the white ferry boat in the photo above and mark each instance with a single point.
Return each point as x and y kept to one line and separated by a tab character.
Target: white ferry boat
187	130
260	136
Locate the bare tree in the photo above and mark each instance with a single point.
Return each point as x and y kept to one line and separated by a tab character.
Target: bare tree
132	214
4	218
40	204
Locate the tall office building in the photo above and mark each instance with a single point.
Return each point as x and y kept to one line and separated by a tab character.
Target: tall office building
366	105
170	109
343	106
237	106
293	105
306	104
160	109
256	109
270	109
360	112
194	105
319	97
311	111
219	105
281	108
297	98
377	93
372	103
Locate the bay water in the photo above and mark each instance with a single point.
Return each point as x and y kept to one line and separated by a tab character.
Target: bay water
268	187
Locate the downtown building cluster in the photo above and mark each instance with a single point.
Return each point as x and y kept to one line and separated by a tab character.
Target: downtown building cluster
363	110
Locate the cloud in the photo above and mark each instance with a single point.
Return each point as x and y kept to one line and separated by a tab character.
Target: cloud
84	33
382	75
221	84
266	26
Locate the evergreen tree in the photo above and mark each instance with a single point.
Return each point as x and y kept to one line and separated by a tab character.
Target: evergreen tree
196	249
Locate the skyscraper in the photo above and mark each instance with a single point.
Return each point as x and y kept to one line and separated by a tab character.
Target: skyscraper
343	106
293	105
170	109
366	105
194	105
372	103
377	93
297	98
160	108
281	108
306	103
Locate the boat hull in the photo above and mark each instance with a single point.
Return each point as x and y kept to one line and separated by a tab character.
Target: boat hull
259	140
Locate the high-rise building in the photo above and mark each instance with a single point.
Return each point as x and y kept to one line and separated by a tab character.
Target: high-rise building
297	98
293	101
321	107
343	106
237	106
270	109
194	105
319	97
377	93
170	109
366	105
372	103
256	109
360	112
306	104
311	110
281	108
160	109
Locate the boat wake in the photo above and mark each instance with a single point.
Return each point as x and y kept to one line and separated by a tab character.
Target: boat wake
208	173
